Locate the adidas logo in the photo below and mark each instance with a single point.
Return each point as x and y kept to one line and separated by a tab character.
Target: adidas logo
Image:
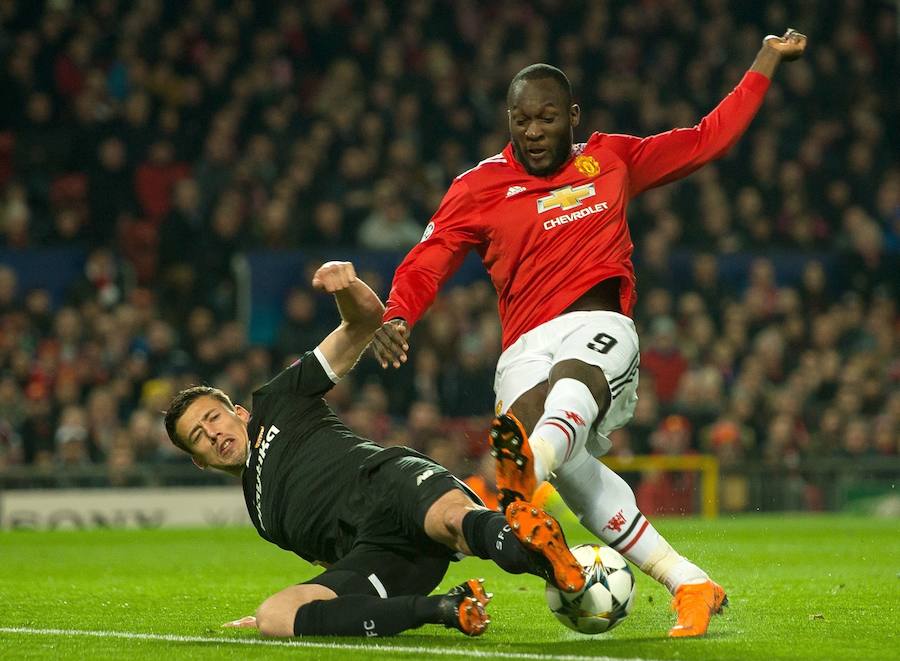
424	476
515	190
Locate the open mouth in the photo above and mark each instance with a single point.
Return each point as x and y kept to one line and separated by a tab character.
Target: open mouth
537	152
225	448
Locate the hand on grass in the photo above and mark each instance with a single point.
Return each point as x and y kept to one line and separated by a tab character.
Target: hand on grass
248	622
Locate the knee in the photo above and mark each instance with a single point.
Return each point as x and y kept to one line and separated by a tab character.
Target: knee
275	616
590	375
271	620
443	522
452	520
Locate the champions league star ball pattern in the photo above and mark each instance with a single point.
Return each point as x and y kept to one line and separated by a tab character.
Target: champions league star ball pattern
607	597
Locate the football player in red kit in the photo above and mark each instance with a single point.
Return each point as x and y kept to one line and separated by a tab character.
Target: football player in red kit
548	219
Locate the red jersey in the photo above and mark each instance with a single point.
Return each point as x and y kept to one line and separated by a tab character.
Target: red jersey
545	241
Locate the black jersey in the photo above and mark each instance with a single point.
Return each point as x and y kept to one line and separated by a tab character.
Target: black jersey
303	463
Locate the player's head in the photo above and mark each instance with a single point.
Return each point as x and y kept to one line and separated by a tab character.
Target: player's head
204	422
541	118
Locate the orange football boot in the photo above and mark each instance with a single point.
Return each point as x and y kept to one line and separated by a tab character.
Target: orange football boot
463	607
541	533
515	460
695	604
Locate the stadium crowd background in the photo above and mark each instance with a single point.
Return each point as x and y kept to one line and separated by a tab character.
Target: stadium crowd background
166	138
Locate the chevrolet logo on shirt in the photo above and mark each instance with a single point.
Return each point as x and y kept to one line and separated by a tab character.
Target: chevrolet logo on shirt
565	198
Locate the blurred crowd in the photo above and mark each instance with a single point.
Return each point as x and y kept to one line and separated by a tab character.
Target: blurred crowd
166	138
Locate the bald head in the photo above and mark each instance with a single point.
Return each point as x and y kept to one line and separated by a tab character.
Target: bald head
539	71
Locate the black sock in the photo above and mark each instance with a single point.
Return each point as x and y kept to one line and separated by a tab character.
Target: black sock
365	615
489	536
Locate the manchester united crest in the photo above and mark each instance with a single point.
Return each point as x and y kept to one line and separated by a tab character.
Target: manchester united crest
587	165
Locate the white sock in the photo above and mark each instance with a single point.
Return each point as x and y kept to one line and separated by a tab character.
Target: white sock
569	413
606	506
672	569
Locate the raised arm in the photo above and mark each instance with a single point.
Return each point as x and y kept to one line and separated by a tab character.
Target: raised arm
776	50
668	156
360	309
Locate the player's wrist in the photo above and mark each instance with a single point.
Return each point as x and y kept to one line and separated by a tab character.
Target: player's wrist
767	60
770	51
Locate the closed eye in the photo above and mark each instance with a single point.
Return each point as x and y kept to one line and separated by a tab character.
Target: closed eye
195	433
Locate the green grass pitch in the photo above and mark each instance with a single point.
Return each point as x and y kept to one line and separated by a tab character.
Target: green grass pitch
818	587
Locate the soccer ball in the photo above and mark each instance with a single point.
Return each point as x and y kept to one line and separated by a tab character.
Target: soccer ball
607	597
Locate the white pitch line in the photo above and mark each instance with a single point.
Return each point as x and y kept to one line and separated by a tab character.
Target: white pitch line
368	649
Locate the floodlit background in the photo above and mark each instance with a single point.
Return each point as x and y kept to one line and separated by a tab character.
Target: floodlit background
171	173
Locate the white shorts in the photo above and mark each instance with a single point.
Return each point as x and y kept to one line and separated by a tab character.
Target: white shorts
597	337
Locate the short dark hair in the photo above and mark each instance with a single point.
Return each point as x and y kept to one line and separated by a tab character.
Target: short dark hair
180	404
541	71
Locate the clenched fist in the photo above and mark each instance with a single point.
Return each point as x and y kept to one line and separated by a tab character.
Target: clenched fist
333	277
789	47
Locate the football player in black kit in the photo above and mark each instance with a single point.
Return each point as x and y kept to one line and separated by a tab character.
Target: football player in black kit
384	522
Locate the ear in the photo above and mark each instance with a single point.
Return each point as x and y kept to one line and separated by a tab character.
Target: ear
242	413
199	463
574	115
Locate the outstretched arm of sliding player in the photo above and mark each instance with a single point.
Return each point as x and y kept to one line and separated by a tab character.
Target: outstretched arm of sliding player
668	156
454	229
360	309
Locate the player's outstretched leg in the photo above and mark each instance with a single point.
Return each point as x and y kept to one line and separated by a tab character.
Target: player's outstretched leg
463	607
489	535
606	506
542	534
510	448
695	605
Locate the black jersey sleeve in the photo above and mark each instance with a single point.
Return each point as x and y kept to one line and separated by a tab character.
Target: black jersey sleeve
309	376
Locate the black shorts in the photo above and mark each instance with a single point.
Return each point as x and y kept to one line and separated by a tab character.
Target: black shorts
389	552
381	572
